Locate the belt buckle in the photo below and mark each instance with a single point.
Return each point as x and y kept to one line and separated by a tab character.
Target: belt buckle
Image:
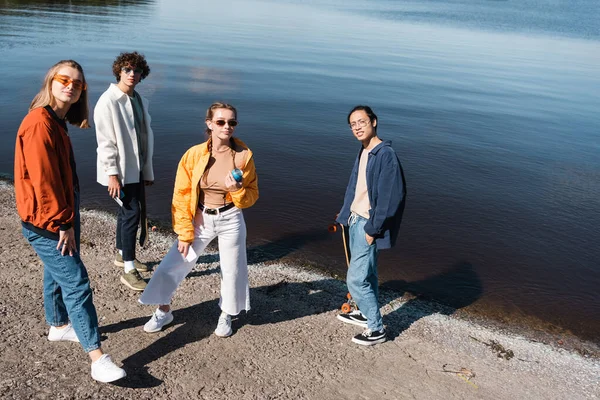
211	211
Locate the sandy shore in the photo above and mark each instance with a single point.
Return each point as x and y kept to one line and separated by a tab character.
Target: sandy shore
289	346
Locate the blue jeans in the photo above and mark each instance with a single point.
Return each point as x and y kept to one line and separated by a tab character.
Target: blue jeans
67	292
362	273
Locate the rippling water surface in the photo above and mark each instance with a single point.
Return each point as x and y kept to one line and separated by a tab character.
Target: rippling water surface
492	107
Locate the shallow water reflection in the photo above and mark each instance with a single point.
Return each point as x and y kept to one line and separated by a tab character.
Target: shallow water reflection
492	108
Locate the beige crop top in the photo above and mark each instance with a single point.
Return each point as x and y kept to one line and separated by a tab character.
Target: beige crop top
212	184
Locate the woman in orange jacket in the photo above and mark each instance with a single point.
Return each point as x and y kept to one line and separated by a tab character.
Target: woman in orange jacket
215	180
47	193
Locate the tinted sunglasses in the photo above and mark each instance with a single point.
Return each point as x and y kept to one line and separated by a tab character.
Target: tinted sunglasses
231	122
66	81
128	70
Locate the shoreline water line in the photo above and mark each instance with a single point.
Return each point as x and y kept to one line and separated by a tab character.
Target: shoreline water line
391	300
290	345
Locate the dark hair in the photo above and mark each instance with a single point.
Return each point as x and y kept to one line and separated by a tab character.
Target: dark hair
134	59
369	113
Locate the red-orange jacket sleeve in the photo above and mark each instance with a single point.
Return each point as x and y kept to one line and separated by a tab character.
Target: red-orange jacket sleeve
41	160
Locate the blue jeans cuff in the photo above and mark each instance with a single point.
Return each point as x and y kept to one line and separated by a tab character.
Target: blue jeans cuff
53	323
91	348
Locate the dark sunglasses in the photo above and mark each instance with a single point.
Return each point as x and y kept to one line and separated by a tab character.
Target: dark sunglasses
66	81
128	70
222	122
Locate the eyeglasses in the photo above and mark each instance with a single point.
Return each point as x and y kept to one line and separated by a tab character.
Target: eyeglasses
66	81
361	123
221	122
128	70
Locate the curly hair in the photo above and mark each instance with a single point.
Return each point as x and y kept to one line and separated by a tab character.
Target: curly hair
134	59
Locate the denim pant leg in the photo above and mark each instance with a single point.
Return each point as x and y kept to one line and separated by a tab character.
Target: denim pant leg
128	220
362	274
66	286
54	306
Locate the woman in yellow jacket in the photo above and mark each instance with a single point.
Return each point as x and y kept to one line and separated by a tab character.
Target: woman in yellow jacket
215	180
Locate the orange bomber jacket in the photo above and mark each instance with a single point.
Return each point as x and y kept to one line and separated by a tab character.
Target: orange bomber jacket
43	174
187	187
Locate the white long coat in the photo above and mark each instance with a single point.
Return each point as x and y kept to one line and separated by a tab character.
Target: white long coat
117	152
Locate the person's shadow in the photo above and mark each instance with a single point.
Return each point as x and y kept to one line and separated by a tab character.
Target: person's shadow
455	288
283	301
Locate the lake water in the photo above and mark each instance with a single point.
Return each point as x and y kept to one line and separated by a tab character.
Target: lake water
492	106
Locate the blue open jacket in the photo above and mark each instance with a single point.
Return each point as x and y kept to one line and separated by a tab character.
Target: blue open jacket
386	188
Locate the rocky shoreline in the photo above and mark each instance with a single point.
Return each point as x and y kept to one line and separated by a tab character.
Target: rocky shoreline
289	346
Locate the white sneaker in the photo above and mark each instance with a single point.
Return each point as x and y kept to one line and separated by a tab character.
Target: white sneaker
158	320
64	334
224	326
105	370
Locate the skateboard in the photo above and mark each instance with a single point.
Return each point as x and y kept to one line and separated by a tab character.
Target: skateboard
350	304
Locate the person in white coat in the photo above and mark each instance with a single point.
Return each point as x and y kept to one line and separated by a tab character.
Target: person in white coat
124	164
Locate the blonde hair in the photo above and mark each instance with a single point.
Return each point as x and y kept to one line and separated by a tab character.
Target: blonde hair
78	113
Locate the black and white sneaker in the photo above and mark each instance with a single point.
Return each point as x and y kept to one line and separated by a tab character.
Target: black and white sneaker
354	317
369	338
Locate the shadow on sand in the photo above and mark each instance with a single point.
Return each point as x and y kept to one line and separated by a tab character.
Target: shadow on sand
282	301
453	289
285	301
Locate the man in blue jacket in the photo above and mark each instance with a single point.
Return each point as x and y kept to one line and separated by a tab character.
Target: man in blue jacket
372	210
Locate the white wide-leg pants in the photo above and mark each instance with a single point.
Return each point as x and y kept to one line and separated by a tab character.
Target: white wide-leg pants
230	229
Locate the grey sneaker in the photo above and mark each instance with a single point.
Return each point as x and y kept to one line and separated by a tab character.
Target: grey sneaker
133	280
158	321
224	326
65	334
138	265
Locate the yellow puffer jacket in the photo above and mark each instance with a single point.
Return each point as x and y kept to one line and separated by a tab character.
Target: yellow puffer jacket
187	187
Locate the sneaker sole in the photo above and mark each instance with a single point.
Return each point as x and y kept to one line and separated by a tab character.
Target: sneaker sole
224	336
64	340
124	282
369	343
349	321
120	264
161	327
109	380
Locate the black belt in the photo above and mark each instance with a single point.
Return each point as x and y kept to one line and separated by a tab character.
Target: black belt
215	211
